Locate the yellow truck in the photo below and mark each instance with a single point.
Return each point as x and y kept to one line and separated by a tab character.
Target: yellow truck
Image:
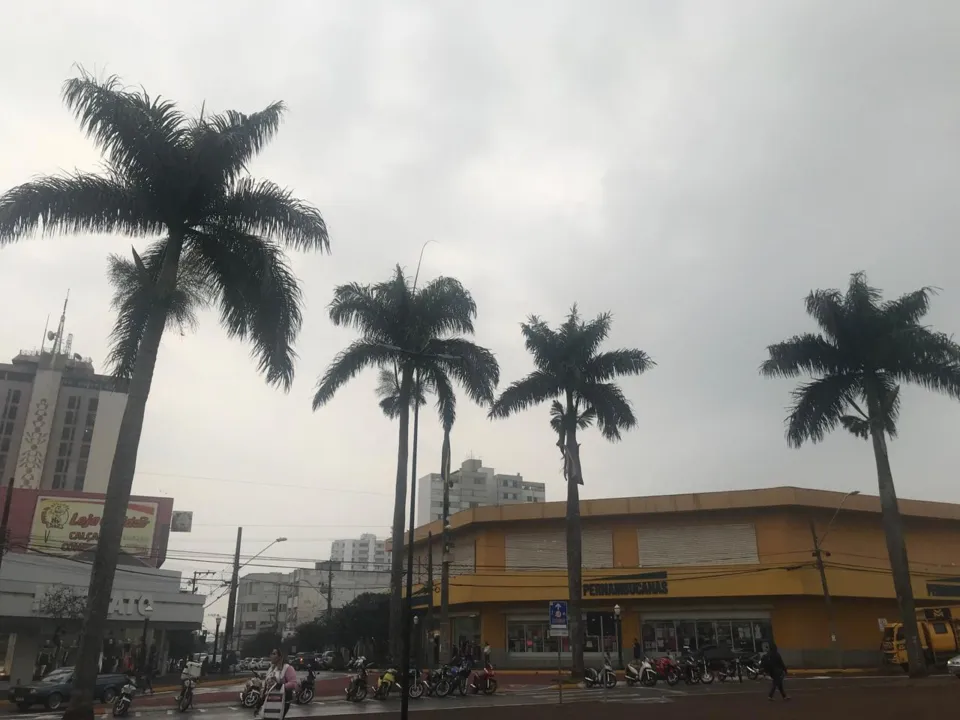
939	637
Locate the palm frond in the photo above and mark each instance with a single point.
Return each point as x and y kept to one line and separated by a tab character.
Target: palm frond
225	143
358	356
617	363
861	299
443	307
362	307
807	353
612	409
258	295
138	135
826	307
589	336
440	385
265	209
910	308
541	342
535	388
74	203
856	426
818	406
475	368
388	390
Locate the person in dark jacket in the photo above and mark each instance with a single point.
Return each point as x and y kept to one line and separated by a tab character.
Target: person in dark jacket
637	650
777	669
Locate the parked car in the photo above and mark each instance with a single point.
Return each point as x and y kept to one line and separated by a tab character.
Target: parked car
953	666
53	690
328	660
306	661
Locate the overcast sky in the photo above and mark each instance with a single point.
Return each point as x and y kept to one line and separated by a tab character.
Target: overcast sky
693	167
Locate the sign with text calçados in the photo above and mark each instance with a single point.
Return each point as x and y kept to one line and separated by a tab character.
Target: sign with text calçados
68	526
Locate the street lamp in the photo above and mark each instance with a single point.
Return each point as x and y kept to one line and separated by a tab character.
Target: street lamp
229	635
818	556
216	639
616	619
278	540
147	609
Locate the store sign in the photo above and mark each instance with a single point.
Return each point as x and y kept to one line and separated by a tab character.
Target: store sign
122	604
181	521
654	583
67	526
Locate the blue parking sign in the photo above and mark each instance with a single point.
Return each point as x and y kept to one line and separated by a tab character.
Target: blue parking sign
558	614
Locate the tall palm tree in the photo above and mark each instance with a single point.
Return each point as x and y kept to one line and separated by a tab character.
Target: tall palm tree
866	349
570	368
417	331
184	181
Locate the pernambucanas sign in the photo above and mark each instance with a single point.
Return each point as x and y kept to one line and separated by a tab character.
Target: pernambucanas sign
67	526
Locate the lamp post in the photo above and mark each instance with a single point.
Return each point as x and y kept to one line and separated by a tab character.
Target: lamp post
818	554
229	636
416	629
616	620
216	639
147	609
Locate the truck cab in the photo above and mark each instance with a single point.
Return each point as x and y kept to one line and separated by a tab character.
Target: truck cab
939	630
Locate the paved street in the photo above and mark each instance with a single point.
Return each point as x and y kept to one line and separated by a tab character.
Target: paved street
874	697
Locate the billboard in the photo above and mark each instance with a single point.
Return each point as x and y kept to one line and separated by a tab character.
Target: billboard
181	521
70	525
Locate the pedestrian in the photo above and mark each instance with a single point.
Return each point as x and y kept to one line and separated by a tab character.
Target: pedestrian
486	654
279	674
637	650
777	669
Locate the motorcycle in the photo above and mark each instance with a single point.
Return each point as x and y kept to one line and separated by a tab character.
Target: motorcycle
252	691
435	682
357	689
185	698
640	672
605	676
415	685
484	681
306	689
125	699
667	669
753	666
386	683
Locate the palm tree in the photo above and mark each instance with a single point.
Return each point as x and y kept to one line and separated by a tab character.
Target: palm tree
571	369
416	331
184	181
866	349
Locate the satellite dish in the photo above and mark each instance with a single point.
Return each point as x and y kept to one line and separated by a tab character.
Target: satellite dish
51	335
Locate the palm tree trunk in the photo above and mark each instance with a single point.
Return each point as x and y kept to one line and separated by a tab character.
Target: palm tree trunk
118	494
897	550
574	547
399	514
444	540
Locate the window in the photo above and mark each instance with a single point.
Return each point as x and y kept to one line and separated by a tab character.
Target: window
250	625
15	396
5	445
940	628
601	633
533	637
73	402
93	405
252	607
670	636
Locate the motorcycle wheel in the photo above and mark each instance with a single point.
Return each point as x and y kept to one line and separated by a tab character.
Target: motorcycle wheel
250	700
672	677
706	677
120	708
491	687
610	681
416	690
443	688
306	697
649	679
630	681
184	703
751	673
722	676
462	687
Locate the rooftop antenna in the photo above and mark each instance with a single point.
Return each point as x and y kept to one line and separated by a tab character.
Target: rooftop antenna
46	327
58	341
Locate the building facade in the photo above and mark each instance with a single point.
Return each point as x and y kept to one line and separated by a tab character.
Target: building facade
474	486
59	422
328	587
261	597
364	553
731	569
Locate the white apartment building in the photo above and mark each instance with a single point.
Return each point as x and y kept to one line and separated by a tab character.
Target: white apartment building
366	553
258	597
310	590
473	486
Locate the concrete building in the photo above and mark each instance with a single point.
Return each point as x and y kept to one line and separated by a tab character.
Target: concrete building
59	420
731	569
366	553
259	597
310	590
474	486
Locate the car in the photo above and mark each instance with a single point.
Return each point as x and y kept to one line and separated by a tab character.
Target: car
953	666
307	661
53	690
328	660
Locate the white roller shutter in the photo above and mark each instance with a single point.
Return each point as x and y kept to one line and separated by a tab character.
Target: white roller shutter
731	544
463	560
548	550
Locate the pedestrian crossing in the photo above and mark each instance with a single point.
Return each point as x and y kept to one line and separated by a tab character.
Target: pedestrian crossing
546	695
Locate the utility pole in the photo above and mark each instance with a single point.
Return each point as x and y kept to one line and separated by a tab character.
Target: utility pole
232	603
430	595
199	574
831	621
7	500
276	617
330	588
445	549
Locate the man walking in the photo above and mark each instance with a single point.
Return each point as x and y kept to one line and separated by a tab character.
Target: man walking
777	669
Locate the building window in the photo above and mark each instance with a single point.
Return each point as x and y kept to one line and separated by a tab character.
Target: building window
533	637
253	607
671	636
250	625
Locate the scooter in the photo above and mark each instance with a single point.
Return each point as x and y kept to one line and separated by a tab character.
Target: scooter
640	672
605	676
252	691
125	699
185	698
306	689
357	689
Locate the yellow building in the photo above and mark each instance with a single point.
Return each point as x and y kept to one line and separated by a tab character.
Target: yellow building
729	568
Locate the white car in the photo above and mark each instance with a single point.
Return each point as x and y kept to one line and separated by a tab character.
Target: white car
953	666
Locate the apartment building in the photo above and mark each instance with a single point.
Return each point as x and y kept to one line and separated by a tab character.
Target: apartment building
59	420
472	486
365	553
259	597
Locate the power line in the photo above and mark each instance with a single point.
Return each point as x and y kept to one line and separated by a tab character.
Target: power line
261	483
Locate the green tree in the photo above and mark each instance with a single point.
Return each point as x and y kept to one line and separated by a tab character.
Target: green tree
417	332
866	349
570	368
184	181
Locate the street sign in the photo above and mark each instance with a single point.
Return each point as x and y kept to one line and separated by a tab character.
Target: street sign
882	624
558	618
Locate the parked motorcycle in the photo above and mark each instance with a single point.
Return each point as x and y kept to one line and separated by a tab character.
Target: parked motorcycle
604	676
640	672
753	666
386	683
125	699
306	689
185	698
416	687
667	670
435	682
252	691
357	689
484	681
